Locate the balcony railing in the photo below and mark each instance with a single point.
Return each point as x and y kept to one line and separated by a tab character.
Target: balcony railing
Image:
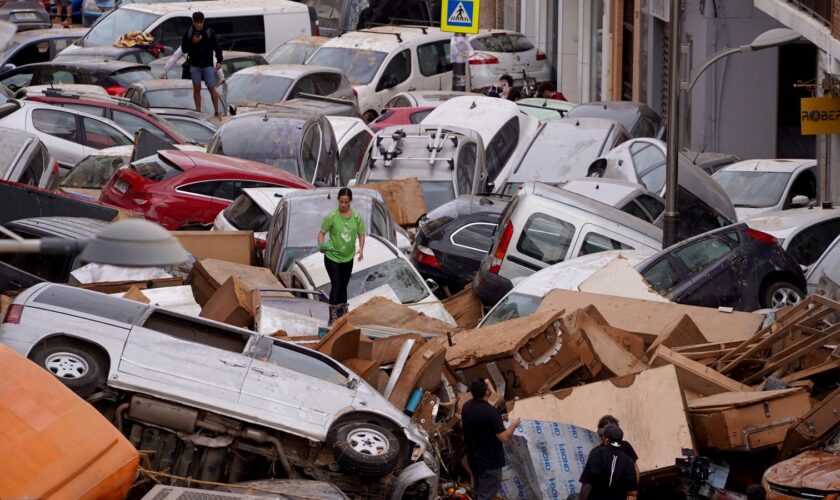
819	9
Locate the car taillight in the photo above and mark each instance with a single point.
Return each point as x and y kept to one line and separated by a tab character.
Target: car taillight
501	250
260	244
116	90
540	55
355	94
426	256
56	169
481	58
762	237
13	314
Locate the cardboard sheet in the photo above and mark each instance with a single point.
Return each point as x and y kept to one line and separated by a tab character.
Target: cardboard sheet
403	197
620	271
231	246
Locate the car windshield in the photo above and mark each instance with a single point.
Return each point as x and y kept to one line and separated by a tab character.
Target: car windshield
436	193
291	53
244	214
243	89
515	305
276	143
93	172
359	65
502	42
396	273
115	24
568	151
177	98
751	189
307	215
194	131
128	76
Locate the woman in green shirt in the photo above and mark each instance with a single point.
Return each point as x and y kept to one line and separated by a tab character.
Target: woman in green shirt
344	226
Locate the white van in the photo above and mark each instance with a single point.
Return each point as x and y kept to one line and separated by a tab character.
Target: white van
384	61
247	25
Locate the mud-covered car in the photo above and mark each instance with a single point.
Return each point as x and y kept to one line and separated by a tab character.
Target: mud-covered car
221	403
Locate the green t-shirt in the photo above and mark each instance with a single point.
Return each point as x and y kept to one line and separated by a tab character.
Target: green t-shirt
343	232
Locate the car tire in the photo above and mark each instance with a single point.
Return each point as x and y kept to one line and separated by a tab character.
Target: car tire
366	449
781	294
80	367
369	116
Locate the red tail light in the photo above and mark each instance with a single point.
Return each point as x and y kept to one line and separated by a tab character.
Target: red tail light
260	244
116	90
501	250
481	58
317	30
55	168
426	256
540	55
762	237
13	314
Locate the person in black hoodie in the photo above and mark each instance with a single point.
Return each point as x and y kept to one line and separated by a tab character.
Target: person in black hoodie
199	44
609	473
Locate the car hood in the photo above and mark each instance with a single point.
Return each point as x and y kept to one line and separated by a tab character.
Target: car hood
744	213
812	470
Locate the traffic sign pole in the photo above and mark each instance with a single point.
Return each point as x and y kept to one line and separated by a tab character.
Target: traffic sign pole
459	17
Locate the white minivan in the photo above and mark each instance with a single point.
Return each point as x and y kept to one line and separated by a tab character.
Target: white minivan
246	25
384	61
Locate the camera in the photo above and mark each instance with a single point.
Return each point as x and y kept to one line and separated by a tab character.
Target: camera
695	471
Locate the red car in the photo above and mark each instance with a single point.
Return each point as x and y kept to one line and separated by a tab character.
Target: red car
127	115
399	116
186	190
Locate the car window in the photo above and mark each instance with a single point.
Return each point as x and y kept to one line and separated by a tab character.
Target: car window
359	65
170	32
433	58
645	157
155	168
418	116
56	123
93	172
96	304
396	273
295	359
594	243
636	210
653	206
100	135
230	190
466	168
643	127
244	214
18	80
59	76
701	254
243	33
326	83
240	64
378	221
654	179
351	157
305	85
662	275
310	150
397	71
398	102
36	166
477	236
274	241
515	305
502	146
194	131
805	184
132	123
208	188
502	42
807	246
195	331
545	238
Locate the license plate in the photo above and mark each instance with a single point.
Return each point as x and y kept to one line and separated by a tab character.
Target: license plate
25	16
121	186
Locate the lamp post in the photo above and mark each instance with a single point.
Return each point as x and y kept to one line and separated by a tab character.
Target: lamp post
681	91
127	243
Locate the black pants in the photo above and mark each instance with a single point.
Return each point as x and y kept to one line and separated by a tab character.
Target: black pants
339	278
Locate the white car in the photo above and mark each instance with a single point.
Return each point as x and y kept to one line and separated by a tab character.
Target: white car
69	135
625	195
25	159
385	60
759	186
425	98
828	267
499	52
527	294
804	233
385	271
353	138
251	211
504	128
274	84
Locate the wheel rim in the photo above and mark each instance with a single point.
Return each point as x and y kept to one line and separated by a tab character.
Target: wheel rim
784	297
368	442
67	365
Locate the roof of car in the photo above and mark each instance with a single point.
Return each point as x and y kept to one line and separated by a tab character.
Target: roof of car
92	66
97	50
435	95
470	204
43	34
481	113
783	223
291	71
612	108
71	228
212	6
610	191
589	205
385	38
267	198
768	165
331	192
343	125
309	39
161	84
8	135
187	160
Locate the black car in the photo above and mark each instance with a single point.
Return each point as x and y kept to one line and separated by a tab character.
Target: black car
452	240
114	76
100	54
36	46
638	118
733	266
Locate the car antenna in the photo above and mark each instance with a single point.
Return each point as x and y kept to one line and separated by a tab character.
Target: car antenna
472	106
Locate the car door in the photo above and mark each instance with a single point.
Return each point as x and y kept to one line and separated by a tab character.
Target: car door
594	239
185	358
395	78
544	240
470	243
195	202
716	272
294	388
61	132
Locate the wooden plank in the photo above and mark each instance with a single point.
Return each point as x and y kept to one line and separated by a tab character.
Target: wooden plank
790	357
603	348
736	399
658	436
810	372
802	343
695	376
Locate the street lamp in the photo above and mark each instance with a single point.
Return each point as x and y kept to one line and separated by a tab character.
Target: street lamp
681	90
126	243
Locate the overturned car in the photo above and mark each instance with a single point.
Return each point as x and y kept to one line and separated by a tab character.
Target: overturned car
219	403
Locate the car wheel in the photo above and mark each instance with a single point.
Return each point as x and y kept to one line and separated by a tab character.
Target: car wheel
78	366
366	449
781	294
369	116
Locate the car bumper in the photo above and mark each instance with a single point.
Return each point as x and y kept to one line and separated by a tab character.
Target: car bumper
490	287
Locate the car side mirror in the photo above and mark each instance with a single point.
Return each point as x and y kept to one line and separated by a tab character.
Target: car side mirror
432	284
800	200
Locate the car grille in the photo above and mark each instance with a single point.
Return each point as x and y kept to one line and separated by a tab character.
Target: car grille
806	493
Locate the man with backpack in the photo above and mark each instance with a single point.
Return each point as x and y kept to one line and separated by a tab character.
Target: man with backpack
609	473
199	44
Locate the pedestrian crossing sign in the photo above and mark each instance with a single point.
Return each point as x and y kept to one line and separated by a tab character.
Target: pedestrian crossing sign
459	16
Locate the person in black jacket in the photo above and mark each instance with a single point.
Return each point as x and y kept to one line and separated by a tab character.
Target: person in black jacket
199	44
609	473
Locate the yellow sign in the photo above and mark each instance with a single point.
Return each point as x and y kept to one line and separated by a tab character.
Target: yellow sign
459	16
820	115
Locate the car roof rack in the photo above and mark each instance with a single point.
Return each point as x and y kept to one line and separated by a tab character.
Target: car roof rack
399	37
436	140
